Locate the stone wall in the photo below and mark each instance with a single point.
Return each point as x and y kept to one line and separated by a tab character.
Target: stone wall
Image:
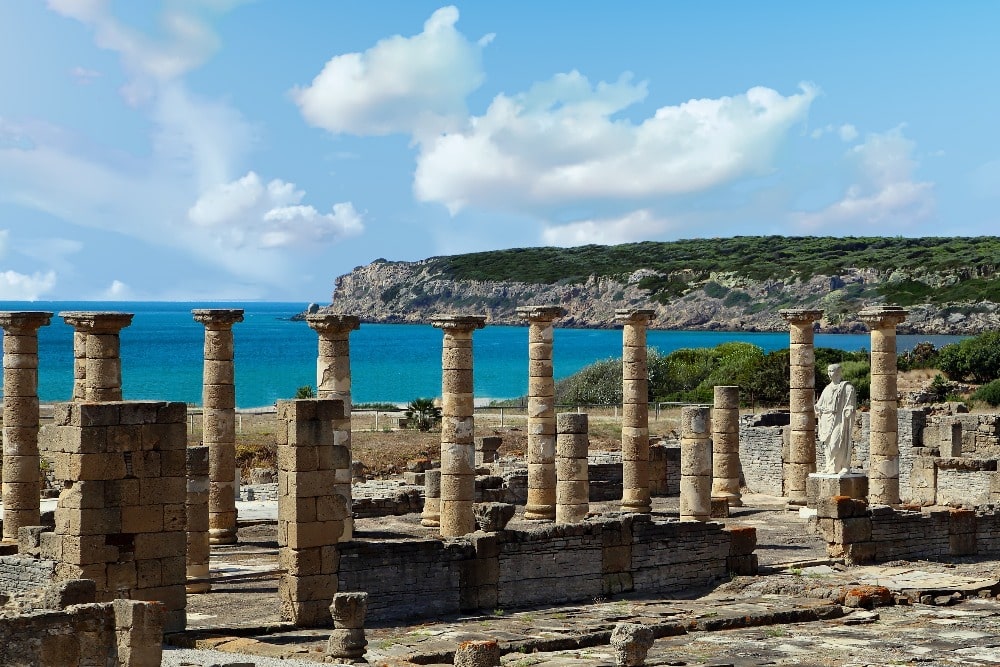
980	433
124	633
761	446
964	482
548	565
863	534
18	575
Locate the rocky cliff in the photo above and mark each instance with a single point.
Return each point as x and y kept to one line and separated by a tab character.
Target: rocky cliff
398	292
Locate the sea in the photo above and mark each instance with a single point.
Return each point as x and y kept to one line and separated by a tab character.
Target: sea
394	363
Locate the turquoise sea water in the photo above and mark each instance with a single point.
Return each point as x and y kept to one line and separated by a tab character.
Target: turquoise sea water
162	353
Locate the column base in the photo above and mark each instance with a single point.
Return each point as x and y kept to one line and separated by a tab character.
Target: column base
636	507
827	485
540	512
222	536
200	571
734	499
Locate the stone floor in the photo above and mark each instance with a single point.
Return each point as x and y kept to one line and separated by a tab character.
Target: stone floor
784	617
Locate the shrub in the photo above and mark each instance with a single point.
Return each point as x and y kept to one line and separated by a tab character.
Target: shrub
422	414
305	391
989	393
976	359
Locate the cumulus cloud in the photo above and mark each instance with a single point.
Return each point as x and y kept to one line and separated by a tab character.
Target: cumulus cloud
884	190
414	85
846	132
16	286
562	142
246	211
117	291
636	226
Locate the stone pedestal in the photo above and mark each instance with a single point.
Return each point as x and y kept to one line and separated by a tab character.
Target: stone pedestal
458	470
219	419
801	402
635	410
726	446
347	641
572	475
198	547
696	464
827	485
487	449
883	443
333	380
541	503
310	518
21	471
97	336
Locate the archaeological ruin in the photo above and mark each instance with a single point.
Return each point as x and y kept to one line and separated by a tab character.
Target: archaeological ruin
146	546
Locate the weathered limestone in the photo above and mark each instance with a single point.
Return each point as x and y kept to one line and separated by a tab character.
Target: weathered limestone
21	472
333	380
635	410
431	516
696	464
121	516
347	641
97	366
478	653
726	445
219	419
801	402
883	443
310	518
572	477
631	642
541	503
198	547
458	471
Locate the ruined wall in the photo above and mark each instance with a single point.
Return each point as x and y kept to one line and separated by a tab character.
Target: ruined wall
760	455
548	565
964	482
980	433
880	534
123	633
18	575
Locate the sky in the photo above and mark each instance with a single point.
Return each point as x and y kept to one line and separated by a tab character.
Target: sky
225	150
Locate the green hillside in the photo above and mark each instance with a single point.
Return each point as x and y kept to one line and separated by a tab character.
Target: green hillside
913	270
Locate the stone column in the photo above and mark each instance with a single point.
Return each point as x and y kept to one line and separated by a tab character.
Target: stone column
333	380
726	445
198	548
310	518
696	464
541	503
98	333
219	419
347	641
431	515
883	442
572	475
801	402
458	470
21	472
635	410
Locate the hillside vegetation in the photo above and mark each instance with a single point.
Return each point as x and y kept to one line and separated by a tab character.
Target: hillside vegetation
972	262
949	285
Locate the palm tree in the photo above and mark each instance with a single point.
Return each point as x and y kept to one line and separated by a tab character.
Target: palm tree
422	414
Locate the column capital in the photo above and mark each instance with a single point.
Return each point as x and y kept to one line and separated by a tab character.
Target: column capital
333	322
218	318
97	322
634	315
540	313
458	322
801	315
880	317
23	321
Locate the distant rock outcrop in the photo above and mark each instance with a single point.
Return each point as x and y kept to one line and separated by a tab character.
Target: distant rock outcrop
412	292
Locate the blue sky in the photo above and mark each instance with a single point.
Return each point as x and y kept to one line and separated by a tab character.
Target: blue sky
215	149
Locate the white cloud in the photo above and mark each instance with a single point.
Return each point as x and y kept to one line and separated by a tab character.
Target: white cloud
636	226
16	286
246	212
884	190
561	142
84	76
402	84
847	132
117	291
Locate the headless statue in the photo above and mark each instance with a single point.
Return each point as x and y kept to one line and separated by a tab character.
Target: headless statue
835	413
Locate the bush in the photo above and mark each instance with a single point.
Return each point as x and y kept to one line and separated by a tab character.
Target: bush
989	393
305	391
976	359
422	414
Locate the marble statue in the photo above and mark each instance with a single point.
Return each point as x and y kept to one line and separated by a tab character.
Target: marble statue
835	414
